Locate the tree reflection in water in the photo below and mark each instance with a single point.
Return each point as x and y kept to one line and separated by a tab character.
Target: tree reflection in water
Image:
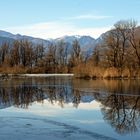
24	95
20	95
122	112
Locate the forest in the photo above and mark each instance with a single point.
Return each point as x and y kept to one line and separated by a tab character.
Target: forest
118	56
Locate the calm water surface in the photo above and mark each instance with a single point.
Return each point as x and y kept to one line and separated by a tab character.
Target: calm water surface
62	108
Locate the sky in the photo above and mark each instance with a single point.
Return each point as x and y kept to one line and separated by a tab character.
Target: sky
57	18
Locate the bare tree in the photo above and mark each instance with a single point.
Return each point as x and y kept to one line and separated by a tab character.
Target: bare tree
75	54
15	53
117	42
135	39
4	51
96	57
61	53
50	58
38	53
26	53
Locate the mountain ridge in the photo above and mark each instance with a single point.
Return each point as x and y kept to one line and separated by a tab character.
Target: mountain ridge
87	43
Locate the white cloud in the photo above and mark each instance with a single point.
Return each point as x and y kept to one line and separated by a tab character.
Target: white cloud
48	109
89	16
94	32
56	29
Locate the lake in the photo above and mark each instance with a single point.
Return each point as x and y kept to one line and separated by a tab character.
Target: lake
64	108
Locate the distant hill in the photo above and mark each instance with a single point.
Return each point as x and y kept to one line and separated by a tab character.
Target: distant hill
87	43
6	39
9	37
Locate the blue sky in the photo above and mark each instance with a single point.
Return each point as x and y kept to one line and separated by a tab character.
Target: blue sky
56	18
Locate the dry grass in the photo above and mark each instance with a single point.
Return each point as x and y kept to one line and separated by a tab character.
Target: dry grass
89	71
111	72
12	70
86	71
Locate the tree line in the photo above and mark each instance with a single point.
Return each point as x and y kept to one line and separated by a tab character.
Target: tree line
37	58
119	50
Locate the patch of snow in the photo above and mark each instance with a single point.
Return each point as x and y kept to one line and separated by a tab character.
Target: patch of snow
46	75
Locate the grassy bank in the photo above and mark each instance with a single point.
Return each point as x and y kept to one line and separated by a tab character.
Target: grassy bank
91	72
82	71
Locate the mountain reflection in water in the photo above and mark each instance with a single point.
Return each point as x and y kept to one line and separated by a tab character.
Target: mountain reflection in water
119	109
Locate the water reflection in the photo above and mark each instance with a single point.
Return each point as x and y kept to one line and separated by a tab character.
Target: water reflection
121	112
24	95
20	96
120	105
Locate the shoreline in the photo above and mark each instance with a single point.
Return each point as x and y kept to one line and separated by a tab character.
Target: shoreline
7	76
85	77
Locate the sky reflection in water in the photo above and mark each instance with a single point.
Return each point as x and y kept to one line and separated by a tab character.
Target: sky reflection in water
105	109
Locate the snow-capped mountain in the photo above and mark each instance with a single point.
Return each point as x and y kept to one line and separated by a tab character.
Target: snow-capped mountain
83	40
87	43
68	39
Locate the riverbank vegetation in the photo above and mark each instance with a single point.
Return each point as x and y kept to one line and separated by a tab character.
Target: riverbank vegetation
116	56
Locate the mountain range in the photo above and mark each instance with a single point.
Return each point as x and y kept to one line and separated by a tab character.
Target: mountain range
87	43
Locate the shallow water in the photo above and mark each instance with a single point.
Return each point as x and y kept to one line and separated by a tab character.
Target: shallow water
65	108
